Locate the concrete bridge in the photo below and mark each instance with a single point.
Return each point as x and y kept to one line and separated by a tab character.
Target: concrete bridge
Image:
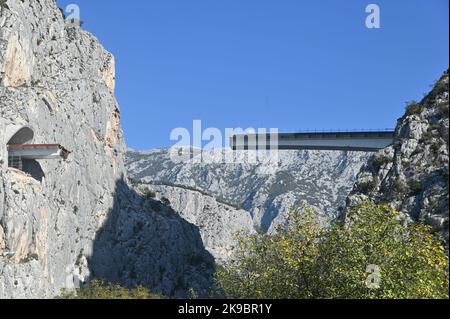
364	141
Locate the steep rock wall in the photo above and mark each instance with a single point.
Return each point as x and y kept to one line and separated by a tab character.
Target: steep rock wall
51	79
218	223
412	174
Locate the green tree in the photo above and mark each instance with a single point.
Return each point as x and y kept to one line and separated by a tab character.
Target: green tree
412	263
375	254
277	266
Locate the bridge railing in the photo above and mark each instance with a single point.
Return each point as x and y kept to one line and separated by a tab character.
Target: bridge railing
338	130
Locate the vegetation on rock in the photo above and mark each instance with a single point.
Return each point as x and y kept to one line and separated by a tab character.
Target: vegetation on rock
99	290
375	254
413	108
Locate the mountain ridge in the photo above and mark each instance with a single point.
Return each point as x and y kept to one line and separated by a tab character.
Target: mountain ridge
274	183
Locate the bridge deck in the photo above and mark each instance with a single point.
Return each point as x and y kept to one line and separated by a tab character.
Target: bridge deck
329	141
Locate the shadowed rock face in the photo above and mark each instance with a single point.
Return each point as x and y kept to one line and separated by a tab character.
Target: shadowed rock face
217	222
145	242
412	174
58	79
34	169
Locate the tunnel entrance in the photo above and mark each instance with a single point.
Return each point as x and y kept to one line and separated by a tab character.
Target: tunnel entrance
23	156
17	135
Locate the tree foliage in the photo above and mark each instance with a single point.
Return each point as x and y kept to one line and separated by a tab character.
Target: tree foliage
375	254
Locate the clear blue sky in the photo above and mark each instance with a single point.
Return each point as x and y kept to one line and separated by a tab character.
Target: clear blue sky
288	64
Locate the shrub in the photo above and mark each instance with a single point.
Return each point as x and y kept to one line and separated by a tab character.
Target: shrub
426	137
435	147
133	182
439	88
99	290
148	193
400	186
416	187
367	187
372	255
443	110
380	161
413	108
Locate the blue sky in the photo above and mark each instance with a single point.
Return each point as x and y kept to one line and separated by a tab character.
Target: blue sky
287	64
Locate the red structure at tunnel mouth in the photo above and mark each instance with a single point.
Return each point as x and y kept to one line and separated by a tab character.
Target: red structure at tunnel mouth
39	151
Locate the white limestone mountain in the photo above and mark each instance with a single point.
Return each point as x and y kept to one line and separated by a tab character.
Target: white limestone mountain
81	219
267	189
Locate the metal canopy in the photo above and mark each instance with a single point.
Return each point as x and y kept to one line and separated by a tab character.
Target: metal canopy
37	151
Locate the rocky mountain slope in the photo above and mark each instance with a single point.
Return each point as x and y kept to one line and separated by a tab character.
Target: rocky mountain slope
217	222
412	174
267	189
64	222
144	242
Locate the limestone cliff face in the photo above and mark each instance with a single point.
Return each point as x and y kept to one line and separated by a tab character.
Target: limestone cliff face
147	243
412	174
63	222
52	79
218	222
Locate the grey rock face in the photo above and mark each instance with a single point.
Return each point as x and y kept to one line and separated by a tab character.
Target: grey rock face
145	242
217	222
268	188
51	79
67	221
412	174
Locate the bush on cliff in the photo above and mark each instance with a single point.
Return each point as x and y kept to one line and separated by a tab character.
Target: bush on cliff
99	290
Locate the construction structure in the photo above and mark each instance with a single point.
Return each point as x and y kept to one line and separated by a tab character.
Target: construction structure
18	152
20	148
365	141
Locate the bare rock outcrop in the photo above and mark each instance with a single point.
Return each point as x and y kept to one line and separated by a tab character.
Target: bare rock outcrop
218	222
412	174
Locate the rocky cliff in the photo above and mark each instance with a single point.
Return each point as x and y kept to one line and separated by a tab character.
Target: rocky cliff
52	79
267	188
412	174
63	222
218	222
144	242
